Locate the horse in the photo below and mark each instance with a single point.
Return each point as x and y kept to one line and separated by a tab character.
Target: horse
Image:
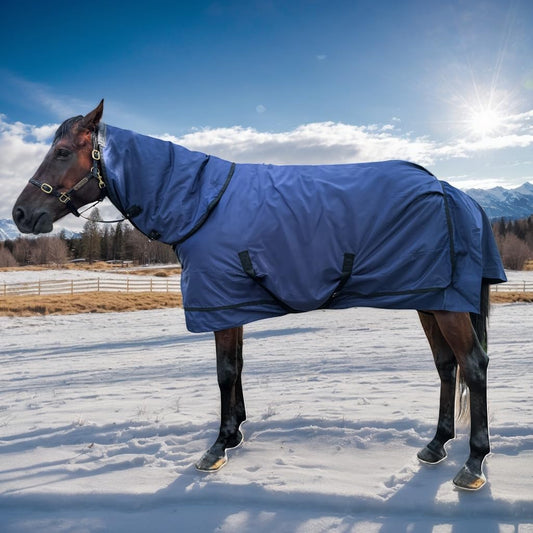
437	255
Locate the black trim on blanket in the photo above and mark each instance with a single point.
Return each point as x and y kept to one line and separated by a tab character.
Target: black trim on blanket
234	306
277	302
210	207
450	228
395	293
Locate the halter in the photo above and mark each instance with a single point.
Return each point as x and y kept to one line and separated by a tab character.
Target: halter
65	197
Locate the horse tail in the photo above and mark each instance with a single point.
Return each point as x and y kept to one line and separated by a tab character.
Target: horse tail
479	323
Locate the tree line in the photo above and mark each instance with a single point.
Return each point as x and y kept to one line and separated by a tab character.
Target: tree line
515	241
118	242
122	242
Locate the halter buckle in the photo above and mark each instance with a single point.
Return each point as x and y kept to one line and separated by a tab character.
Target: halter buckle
96	155
46	188
64	198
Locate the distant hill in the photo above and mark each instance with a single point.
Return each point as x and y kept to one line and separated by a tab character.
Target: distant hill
498	202
510	204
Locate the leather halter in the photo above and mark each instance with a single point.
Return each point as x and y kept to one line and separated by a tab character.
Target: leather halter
65	197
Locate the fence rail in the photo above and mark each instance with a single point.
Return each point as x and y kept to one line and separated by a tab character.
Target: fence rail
149	285
89	285
513	286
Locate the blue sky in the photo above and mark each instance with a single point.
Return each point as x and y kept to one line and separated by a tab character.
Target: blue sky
448	84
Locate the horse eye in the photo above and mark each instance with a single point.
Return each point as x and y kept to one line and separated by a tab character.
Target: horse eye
62	153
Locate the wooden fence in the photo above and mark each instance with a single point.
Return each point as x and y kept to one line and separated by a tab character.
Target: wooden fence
141	284
514	286
89	285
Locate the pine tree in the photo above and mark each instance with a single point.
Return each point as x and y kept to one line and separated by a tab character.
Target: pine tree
91	238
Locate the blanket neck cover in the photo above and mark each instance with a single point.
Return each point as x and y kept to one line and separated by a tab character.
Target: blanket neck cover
258	241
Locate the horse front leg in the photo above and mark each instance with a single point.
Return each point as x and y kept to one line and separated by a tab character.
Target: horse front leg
232	410
446	365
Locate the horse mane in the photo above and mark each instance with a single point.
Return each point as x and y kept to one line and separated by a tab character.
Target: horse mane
66	127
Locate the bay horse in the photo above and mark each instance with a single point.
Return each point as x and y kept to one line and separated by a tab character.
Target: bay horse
429	247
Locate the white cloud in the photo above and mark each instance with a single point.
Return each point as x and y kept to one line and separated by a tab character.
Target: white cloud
22	148
321	142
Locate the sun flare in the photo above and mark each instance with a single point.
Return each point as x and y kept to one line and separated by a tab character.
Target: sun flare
484	121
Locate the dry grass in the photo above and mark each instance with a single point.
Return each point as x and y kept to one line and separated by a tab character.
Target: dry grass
106	302
89	302
511	297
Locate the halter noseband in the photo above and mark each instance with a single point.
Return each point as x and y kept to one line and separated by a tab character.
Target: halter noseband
65	197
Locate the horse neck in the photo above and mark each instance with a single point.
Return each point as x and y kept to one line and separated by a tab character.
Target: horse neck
158	184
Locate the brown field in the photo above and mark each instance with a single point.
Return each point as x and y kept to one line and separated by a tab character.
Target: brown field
105	302
511	297
89	302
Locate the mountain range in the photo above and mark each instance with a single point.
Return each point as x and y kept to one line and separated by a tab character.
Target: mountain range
498	202
9	232
510	204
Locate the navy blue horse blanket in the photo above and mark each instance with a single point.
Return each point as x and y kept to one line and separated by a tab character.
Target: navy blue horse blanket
258	241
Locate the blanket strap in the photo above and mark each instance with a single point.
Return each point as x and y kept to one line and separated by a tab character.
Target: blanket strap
249	270
347	267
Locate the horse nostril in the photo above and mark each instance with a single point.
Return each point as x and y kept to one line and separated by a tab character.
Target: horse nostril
18	215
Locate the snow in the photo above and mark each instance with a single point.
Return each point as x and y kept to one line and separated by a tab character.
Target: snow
103	416
30	276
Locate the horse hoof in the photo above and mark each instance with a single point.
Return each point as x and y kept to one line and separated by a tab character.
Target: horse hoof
431	457
211	462
467	480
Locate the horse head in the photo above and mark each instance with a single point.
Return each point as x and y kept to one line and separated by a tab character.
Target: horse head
67	179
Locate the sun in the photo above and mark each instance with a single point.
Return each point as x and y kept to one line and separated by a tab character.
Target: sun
484	121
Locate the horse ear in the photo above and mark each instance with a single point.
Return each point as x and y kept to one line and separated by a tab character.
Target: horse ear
91	120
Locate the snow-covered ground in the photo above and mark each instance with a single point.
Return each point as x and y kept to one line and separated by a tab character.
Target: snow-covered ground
103	416
29	276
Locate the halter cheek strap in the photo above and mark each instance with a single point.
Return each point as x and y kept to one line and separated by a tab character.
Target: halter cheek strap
65	196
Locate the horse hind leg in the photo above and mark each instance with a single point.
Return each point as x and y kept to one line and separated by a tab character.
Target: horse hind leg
446	364
232	410
459	333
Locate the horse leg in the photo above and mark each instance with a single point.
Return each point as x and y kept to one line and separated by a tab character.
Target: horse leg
459	333
232	411
446	365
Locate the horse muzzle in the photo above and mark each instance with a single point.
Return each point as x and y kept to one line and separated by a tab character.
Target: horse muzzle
35	221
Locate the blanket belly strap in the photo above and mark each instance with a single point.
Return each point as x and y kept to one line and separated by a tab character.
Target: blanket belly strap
249	270
347	267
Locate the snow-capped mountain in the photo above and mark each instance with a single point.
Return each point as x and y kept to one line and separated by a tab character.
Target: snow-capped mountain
507	203
8	231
